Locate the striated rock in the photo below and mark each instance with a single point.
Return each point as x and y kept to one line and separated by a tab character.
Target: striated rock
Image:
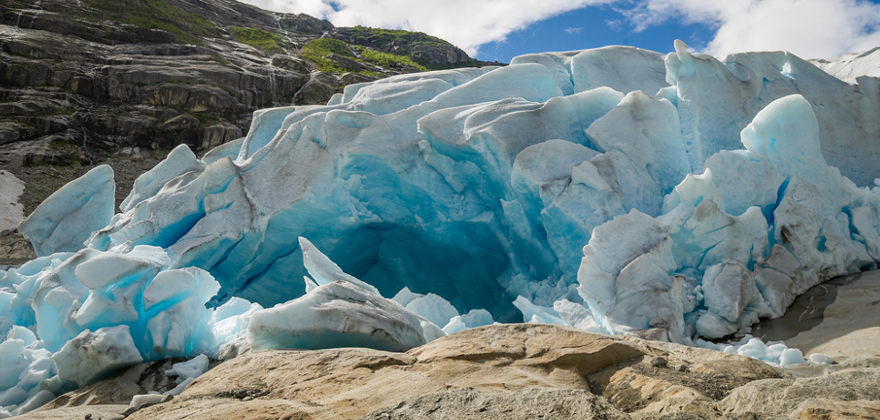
94	412
468	403
825	409
319	86
835	392
291	63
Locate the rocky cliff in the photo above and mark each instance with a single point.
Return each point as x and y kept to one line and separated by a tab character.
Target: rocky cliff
124	81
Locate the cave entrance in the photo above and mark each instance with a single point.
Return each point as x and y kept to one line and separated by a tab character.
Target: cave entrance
460	261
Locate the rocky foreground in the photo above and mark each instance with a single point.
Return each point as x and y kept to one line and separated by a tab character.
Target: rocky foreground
513	371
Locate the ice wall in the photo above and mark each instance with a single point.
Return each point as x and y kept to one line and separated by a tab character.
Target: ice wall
716	99
503	171
738	242
468	196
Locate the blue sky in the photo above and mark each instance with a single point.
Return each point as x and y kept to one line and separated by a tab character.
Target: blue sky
502	29
593	27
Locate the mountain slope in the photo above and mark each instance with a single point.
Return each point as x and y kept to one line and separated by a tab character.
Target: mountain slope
82	80
124	81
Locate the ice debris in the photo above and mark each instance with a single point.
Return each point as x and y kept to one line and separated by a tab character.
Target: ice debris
774	353
474	318
345	312
470	194
186	372
821	358
91	355
339	314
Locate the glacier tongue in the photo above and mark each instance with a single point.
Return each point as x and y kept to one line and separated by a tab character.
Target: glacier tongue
716	99
611	190
505	171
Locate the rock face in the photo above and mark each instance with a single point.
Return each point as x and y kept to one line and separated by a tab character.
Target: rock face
87	78
468	403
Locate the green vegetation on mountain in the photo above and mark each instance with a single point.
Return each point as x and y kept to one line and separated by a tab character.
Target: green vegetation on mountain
382	37
428	51
258	38
389	61
184	26
318	50
335	56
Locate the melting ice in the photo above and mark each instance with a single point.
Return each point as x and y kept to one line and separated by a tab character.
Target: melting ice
612	190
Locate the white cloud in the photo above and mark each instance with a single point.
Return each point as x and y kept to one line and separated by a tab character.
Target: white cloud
573	31
317	8
808	28
465	23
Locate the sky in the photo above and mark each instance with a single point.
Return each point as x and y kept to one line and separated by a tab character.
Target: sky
498	30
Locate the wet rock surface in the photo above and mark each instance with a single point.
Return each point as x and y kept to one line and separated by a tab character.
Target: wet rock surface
839	318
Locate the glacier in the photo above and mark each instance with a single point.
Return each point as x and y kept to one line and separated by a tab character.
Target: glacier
617	190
